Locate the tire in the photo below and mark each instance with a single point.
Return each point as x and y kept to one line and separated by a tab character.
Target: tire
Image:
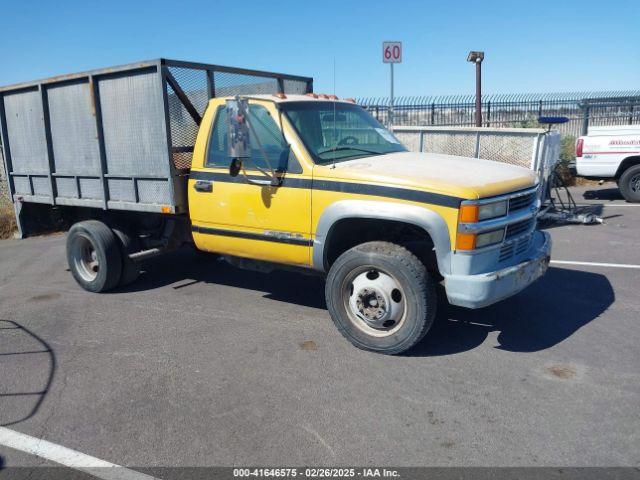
629	184
363	302
128	243
94	257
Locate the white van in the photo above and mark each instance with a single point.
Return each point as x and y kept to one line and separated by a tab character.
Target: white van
612	152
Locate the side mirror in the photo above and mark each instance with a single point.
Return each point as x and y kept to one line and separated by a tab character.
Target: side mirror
234	167
239	140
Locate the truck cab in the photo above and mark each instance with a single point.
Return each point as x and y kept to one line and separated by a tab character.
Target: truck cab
326	187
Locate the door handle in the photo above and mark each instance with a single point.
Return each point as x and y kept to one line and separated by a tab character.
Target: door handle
203	186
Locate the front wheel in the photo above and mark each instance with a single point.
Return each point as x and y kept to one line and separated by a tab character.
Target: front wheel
629	184
380	297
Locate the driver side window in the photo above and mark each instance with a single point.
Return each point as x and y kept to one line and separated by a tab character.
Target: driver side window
267	132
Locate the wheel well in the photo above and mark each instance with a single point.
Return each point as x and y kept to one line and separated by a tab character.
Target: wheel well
626	163
349	232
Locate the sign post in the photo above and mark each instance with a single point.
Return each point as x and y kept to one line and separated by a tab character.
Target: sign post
391	53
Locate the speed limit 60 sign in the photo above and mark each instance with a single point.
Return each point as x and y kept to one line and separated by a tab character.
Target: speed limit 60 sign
392	52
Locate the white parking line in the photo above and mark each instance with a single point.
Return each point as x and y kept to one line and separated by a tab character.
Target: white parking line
595	264
608	204
67	457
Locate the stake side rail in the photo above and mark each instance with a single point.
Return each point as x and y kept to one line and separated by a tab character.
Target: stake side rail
120	137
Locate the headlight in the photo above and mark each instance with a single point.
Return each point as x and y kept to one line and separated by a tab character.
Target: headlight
471	241
489	238
472	213
492	210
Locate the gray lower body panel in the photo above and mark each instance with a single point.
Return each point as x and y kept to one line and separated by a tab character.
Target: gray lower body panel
483	289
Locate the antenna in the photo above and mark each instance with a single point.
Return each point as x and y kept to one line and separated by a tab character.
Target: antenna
335	134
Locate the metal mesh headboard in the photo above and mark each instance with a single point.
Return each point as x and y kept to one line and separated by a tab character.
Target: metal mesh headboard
189	86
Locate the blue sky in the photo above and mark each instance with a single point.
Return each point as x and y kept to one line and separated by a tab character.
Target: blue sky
541	46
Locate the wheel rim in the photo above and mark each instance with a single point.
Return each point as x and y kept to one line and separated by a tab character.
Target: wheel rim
85	258
635	183
375	301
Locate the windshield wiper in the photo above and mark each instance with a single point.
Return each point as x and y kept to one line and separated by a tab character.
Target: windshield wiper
346	147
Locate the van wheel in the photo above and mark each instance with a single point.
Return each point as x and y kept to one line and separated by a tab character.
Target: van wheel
94	256
129	243
380	297
629	184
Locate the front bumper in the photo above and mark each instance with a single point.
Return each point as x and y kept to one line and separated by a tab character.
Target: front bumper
481	290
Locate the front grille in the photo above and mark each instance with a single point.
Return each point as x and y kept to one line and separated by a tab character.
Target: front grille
522	245
516	229
506	252
521	202
516	247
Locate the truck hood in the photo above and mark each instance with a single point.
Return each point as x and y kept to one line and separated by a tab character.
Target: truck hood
463	177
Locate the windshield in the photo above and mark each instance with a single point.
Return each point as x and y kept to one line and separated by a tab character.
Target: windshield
335	131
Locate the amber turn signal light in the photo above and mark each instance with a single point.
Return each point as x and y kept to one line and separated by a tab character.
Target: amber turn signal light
465	241
469	213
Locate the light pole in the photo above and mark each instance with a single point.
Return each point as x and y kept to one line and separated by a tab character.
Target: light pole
477	57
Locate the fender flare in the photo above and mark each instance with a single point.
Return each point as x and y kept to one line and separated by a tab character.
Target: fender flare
422	217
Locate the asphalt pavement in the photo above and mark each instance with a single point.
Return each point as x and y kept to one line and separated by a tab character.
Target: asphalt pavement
203	364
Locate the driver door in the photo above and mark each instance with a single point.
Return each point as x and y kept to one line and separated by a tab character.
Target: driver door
232	216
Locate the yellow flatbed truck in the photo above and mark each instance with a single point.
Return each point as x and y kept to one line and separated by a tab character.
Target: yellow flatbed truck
286	178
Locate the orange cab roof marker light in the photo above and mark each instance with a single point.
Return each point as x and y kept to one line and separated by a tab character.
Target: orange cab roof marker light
280	95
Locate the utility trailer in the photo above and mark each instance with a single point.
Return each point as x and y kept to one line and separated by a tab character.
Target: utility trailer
119	138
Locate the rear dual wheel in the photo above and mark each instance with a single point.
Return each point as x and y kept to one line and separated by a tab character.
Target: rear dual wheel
380	297
98	256
129	243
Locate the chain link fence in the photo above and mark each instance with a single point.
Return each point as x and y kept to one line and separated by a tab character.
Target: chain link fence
583	109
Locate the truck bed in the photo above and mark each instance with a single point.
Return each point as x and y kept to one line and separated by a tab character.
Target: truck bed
118	138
